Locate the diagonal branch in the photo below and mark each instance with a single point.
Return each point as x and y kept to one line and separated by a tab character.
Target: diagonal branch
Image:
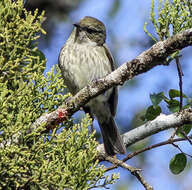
161	123
133	154
134	171
150	58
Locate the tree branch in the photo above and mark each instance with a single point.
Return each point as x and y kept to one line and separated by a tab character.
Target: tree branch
133	154
134	171
150	58
161	123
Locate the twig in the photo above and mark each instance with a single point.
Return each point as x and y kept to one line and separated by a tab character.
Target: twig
174	133
177	146
134	171
129	156
121	163
186	137
180	74
142	180
160	123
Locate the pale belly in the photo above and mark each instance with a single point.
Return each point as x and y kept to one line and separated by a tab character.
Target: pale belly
82	67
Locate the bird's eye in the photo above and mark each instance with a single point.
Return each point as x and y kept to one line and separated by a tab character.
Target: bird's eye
89	30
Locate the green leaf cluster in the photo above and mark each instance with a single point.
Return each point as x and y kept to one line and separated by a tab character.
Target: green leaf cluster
172	103
173	16
64	158
179	161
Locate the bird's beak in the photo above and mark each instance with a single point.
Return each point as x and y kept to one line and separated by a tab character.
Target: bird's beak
76	25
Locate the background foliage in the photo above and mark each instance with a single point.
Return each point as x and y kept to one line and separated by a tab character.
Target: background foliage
173	17
36	159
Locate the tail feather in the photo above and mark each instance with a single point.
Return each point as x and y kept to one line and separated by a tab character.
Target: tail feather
112	140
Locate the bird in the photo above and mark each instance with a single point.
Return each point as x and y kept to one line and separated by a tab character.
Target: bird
83	59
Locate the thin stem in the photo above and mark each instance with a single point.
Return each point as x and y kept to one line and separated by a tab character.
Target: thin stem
134	171
129	156
180	74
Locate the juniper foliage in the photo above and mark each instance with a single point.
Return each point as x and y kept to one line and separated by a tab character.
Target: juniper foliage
63	158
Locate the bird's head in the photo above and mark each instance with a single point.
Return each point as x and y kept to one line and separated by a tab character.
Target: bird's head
90	29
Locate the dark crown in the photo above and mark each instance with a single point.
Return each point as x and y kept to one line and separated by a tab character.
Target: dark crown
92	23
